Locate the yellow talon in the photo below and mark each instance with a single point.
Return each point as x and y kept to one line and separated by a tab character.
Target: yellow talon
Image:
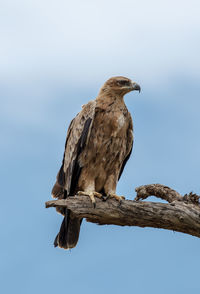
118	198
91	195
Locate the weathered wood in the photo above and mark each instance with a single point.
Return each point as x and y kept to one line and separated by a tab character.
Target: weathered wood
181	214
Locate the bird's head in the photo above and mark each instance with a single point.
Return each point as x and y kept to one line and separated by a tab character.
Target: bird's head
119	86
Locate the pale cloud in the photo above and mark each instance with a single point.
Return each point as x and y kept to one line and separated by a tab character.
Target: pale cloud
88	41
77	45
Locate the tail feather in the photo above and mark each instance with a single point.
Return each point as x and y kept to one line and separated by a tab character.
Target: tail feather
69	231
70	227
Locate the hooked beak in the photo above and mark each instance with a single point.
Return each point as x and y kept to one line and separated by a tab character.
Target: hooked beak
135	87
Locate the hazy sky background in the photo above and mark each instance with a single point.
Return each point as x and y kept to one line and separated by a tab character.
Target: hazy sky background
54	57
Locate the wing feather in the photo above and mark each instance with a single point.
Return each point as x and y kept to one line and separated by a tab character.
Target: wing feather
129	145
77	137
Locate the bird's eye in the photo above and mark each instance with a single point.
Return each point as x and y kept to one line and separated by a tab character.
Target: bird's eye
123	83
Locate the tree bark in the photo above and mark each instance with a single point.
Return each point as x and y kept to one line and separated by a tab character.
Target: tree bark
181	213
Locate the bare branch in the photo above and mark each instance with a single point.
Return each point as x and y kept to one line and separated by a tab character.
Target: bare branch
160	191
165	193
181	214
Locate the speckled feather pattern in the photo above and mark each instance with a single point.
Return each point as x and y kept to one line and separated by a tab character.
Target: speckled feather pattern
109	142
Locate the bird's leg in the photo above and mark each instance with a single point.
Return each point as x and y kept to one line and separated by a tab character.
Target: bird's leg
92	195
110	188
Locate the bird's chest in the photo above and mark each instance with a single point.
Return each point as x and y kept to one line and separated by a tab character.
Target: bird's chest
107	138
119	122
111	124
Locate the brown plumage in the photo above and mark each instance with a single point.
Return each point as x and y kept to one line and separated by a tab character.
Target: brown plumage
98	145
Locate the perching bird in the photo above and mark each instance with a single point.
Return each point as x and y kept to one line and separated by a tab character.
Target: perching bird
99	143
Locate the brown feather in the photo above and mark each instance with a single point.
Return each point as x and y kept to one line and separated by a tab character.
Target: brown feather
98	145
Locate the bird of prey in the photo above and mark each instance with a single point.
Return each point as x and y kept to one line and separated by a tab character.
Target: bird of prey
99	143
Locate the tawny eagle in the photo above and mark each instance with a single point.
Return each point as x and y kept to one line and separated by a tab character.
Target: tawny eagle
98	145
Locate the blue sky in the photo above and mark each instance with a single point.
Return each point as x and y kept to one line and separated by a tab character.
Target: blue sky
54	57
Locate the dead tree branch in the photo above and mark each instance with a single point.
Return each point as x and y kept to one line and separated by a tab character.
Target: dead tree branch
181	213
